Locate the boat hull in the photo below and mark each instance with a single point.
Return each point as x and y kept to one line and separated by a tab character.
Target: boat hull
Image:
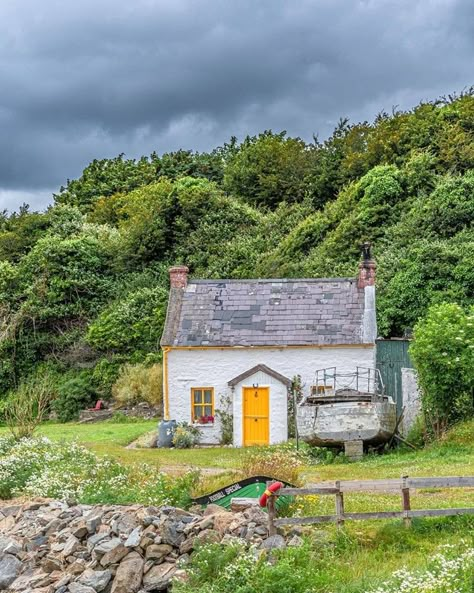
333	424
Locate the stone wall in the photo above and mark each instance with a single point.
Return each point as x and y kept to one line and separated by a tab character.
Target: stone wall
411	400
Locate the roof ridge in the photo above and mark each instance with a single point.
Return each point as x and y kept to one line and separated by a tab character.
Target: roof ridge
258	280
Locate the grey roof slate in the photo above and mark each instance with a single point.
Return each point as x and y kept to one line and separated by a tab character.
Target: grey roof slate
275	312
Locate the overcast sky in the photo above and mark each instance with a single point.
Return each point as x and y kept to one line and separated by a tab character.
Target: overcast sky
93	78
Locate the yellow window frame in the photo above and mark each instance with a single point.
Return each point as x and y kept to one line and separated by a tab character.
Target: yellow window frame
201	403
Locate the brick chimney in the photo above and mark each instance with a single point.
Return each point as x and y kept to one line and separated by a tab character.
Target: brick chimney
178	276
367	268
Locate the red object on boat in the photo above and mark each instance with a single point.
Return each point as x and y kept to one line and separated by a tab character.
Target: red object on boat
268	492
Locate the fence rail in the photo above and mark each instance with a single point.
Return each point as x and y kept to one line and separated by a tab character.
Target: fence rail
403	485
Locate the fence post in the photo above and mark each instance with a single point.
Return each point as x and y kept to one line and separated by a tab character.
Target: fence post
406	502
339	505
271	510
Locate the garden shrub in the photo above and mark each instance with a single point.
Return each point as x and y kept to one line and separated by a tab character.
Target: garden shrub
186	436
281	461
69	471
26	407
232	568
443	355
139	383
75	393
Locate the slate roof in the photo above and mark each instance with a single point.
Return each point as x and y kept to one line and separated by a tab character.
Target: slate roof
286	312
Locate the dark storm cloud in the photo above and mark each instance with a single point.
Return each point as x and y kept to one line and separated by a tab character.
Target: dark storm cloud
80	80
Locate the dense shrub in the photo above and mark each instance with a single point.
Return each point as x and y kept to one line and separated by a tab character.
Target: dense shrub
139	383
280	461
75	392
443	354
186	436
234	569
68	471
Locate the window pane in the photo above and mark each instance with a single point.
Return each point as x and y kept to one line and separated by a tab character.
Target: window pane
197	396
207	396
198	412
207	410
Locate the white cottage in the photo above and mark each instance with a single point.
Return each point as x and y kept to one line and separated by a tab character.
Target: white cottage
238	344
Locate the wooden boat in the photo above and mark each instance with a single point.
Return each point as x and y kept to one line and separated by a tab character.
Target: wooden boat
346	407
252	487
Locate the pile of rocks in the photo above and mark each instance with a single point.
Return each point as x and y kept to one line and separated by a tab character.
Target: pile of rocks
55	547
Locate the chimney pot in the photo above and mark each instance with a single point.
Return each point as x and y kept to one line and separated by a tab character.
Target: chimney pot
367	267
178	276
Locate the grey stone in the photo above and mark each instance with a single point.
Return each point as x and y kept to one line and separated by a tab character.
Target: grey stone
273	542
159	577
296	541
9	570
97	579
72	545
114	555
96	539
133	540
93	520
9	546
107	545
170	534
129	574
79	588
158	551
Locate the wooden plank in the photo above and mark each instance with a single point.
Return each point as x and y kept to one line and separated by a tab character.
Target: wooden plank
305	520
441	512
305	491
374	515
441	482
370	485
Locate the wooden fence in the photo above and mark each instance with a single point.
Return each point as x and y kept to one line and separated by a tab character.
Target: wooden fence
403	486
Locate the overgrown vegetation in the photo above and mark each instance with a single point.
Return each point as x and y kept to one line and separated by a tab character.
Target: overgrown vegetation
69	471
343	562
83	286
443	352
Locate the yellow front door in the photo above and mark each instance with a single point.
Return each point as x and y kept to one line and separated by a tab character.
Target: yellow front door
256	420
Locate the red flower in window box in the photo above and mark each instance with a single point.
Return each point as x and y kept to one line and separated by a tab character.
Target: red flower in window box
206	420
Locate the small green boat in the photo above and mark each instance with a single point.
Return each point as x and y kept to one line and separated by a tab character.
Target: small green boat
252	487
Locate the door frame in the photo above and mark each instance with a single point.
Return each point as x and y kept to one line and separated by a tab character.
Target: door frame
244	387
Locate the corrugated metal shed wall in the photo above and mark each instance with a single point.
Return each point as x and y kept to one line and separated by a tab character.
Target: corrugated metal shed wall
391	357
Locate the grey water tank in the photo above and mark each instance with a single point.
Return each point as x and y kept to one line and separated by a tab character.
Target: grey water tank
166	430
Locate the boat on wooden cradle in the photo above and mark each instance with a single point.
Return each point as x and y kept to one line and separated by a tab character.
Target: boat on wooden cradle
347	409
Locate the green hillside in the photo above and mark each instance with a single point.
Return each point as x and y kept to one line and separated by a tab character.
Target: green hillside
83	286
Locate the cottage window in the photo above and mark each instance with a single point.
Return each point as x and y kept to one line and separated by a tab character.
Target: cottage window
202	405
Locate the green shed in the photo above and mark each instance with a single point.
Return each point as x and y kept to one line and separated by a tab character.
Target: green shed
391	357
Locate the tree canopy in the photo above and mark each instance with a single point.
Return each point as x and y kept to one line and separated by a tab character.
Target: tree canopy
83	286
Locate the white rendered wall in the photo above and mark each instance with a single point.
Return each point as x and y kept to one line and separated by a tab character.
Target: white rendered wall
215	367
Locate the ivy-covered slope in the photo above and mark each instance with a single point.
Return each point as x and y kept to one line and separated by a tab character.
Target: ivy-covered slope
83	286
